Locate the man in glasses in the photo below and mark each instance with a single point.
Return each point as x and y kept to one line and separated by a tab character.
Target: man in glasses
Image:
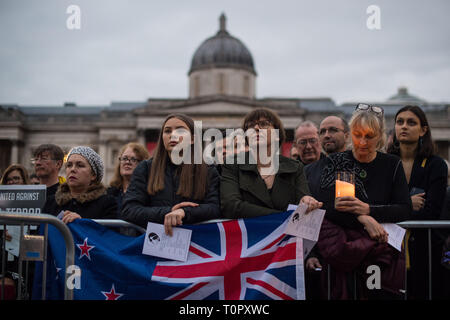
307	142
333	134
48	160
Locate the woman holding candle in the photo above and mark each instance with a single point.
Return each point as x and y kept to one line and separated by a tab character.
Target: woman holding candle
380	187
352	236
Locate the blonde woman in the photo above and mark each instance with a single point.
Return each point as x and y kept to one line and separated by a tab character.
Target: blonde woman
352	237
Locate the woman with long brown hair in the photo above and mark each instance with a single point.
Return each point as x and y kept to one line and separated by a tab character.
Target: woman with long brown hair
170	188
426	174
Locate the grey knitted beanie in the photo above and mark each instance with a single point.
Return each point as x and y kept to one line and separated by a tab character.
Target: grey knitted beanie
92	157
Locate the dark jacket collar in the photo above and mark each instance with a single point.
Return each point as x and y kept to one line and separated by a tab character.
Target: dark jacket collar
256	186
285	164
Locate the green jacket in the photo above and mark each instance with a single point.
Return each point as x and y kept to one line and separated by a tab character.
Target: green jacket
243	193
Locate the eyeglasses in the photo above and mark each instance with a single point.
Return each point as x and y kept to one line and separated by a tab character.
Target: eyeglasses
331	130
367	107
15	179
304	142
34	160
126	159
262	124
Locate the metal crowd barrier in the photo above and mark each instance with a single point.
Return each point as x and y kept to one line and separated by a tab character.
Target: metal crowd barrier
413	224
405	224
117	223
26	220
22	220
423	224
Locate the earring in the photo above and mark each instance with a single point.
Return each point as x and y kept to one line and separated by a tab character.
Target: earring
420	142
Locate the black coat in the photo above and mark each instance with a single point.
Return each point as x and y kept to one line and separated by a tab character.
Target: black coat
118	195
430	175
381	183
139	207
94	204
244	193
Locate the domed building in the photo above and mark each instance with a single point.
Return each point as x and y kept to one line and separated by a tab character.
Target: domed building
222	65
222	89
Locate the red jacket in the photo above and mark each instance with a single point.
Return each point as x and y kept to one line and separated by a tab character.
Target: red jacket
347	250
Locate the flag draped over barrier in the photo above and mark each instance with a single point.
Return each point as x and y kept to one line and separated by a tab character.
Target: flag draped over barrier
236	259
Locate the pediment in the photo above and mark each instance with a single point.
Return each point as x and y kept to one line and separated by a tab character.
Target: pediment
199	107
217	107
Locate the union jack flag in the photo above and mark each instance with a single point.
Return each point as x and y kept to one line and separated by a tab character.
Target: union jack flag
232	260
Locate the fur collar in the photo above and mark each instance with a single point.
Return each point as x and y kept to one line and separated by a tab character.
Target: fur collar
94	192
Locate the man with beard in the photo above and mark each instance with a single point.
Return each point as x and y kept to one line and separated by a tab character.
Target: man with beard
333	134
48	160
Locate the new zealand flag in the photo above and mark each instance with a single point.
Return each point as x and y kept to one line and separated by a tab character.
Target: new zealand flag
232	260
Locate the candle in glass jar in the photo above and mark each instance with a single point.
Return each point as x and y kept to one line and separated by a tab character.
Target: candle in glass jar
344	189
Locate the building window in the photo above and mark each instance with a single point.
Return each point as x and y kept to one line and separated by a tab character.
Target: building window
115	157
246	85
221	83
5	155
442	149
196	86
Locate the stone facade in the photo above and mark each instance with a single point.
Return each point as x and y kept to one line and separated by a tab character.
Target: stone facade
222	89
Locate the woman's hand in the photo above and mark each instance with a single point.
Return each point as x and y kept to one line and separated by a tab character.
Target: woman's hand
70	216
311	203
184	204
172	219
313	264
352	205
418	201
374	229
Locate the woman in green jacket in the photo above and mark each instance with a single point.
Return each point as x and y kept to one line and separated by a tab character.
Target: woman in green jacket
263	182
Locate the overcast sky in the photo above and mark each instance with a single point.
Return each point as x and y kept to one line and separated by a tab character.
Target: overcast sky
135	50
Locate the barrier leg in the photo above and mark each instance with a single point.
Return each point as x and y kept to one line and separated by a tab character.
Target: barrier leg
2	293
430	277
44	263
329	282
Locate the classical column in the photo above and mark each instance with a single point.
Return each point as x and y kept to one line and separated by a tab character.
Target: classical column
141	137
15	151
103	151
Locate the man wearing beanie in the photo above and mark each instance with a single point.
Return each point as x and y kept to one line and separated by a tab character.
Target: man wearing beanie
83	194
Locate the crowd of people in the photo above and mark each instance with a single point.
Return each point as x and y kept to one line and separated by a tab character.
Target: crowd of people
395	179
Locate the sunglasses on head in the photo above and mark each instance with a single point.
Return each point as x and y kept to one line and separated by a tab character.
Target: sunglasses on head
367	107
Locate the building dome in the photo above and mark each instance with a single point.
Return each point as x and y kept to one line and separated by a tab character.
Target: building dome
222	51
403	96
